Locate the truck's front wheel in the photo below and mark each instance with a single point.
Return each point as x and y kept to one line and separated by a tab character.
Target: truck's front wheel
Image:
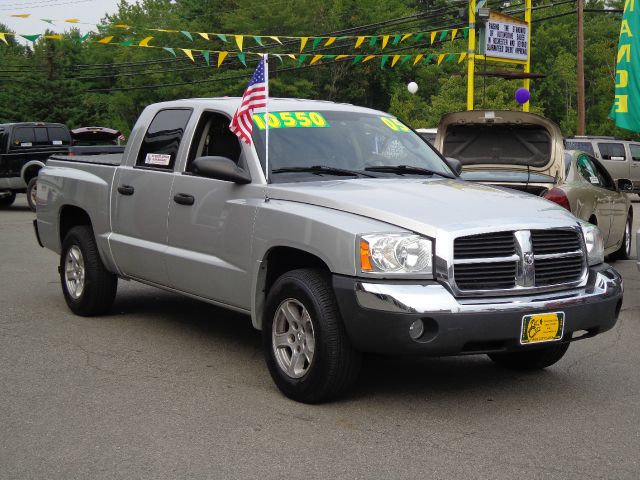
88	287
7	199
306	347
533	359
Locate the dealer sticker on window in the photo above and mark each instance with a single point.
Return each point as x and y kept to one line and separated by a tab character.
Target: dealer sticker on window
291	120
157	159
395	124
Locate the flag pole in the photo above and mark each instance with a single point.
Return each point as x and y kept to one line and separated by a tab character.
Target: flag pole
266	116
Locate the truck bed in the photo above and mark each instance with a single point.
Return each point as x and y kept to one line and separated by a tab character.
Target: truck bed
111	159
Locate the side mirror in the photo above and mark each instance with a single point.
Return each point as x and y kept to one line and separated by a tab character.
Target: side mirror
454	164
220	168
624	185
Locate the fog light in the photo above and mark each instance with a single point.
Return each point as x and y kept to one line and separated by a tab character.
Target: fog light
416	329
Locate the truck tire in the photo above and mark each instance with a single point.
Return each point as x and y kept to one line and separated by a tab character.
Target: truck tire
32	190
306	347
624	252
8	200
88	287
533	359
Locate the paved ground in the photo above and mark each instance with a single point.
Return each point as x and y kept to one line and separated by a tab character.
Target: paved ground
167	387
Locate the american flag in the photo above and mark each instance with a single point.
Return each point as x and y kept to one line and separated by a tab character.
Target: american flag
255	96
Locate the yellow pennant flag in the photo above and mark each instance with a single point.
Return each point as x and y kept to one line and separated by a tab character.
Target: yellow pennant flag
418	58
303	43
145	42
54	37
315	59
105	40
462	57
433	37
368	57
454	32
359	41
276	39
395	60
405	36
22	15
204	35
440	58
188	53
120	25
385	40
340	57
72	20
163	30
3	37
239	40
221	57
291	55
330	41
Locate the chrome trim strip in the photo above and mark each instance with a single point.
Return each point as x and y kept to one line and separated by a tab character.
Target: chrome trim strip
525	272
435	298
547	256
467	261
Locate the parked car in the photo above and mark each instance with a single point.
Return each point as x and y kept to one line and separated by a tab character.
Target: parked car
24	149
356	236
524	151
96	141
429	134
621	158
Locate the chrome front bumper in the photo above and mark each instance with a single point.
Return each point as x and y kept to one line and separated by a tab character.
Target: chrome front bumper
435	298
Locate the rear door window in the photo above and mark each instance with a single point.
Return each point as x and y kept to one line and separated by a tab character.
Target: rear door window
23	137
58	136
612	151
162	140
635	152
587	170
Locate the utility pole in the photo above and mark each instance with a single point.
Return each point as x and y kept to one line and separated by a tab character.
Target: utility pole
580	72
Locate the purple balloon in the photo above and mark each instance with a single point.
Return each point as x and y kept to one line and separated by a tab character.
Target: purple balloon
522	95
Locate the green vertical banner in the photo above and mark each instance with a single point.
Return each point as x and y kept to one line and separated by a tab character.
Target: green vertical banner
626	106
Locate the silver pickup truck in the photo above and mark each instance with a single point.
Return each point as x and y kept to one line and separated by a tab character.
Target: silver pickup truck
360	238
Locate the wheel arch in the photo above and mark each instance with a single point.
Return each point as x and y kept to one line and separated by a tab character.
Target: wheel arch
30	170
277	261
72	216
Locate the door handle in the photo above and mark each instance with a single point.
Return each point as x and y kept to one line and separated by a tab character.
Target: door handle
126	189
184	199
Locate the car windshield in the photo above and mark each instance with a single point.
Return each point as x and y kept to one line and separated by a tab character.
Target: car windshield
353	141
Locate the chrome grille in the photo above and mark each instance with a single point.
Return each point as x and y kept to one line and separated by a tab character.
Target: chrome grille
505	261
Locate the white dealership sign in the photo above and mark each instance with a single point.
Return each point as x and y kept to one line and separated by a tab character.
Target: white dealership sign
506	37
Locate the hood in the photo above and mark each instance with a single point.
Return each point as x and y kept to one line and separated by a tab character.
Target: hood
500	140
429	206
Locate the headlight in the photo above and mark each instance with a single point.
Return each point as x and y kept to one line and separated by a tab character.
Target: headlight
595	244
396	253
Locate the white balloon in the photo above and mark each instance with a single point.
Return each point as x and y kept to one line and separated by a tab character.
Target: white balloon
412	87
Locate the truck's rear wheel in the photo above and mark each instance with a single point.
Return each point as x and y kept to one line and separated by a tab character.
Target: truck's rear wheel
306	347
7	200
88	287
533	359
32	191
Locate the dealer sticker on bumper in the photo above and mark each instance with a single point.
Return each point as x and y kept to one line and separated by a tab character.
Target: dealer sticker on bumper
542	327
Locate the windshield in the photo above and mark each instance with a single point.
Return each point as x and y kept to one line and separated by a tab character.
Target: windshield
343	140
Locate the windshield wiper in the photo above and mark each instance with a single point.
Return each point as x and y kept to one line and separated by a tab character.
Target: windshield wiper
405	170
320	169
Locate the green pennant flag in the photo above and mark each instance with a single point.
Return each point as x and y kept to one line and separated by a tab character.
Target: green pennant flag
626	106
329	57
357	59
170	50
373	41
206	54
84	37
301	59
127	43
405	59
419	36
383	61
341	38
465	32
222	37
47	20
31	38
316	42
450	57
187	34
258	40
443	35
428	59
396	40
243	58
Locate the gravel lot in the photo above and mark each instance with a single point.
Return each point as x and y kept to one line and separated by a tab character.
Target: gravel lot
167	387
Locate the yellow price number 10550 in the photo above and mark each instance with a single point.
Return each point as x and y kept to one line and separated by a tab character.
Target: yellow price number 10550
291	120
395	124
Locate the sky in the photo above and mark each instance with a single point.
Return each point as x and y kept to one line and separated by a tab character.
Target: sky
87	11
